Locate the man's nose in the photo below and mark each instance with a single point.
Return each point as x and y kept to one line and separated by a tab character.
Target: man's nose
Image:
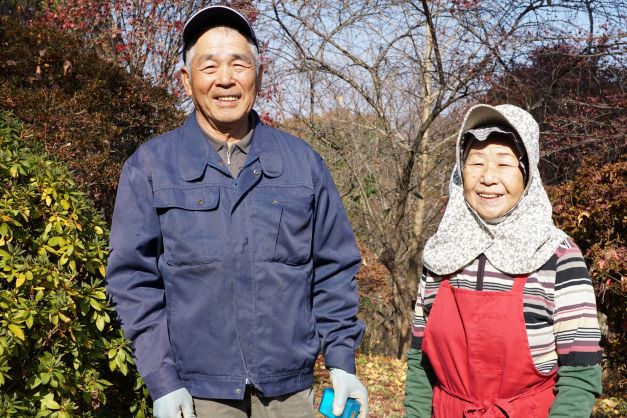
224	75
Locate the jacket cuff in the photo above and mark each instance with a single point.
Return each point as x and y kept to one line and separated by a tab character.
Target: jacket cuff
163	381
340	359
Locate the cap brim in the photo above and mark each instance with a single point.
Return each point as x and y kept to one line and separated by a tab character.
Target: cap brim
481	115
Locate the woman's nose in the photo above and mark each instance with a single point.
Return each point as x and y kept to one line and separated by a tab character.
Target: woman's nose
490	174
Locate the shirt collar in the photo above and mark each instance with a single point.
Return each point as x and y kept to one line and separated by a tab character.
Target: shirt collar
195	151
243	144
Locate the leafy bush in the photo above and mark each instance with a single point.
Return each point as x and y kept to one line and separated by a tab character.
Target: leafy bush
88	112
60	352
591	209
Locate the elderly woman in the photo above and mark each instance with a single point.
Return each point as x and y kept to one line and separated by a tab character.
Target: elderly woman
505	322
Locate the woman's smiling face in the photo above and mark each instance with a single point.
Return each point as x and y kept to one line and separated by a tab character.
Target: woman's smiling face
493	180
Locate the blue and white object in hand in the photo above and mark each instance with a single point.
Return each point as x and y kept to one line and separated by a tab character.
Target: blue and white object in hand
351	408
347	385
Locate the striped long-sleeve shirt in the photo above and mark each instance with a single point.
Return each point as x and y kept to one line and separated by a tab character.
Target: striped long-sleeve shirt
559	306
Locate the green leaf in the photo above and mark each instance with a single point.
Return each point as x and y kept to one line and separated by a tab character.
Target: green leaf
45	378
100	323
95	304
21	278
35	382
84	306
17	331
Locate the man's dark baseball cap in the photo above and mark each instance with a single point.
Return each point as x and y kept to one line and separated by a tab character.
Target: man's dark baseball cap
215	16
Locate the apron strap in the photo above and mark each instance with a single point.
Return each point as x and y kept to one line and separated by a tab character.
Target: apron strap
519	282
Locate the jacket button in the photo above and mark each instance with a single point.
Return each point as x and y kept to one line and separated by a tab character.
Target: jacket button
200	202
275	202
256	172
238	391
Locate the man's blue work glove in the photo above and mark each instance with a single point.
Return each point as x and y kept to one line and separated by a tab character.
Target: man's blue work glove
177	404
346	385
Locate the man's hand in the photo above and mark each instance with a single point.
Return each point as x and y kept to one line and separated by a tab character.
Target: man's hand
347	385
175	404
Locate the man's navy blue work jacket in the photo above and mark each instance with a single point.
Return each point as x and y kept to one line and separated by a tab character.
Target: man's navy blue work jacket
221	282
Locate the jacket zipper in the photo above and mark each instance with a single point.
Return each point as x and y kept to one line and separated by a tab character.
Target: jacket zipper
480	272
228	155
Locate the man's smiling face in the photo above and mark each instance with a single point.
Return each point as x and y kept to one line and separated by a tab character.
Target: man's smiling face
223	81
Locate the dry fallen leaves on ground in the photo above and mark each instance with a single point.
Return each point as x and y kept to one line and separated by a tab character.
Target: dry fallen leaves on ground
383	376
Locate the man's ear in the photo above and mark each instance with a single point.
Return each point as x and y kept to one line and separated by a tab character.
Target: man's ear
259	78
187	81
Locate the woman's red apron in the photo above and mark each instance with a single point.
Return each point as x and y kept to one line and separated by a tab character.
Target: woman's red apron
477	343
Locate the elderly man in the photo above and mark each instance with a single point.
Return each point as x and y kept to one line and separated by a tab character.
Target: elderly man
232	259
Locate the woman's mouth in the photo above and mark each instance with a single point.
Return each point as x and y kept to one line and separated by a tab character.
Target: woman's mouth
489	195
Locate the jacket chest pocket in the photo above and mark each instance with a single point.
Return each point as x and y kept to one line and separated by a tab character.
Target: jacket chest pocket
191	225
282	228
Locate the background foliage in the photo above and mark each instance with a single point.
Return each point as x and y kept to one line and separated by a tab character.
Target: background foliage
378	88
89	113
592	208
577	94
61	355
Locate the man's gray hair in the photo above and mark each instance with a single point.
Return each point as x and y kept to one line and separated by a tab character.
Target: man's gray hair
189	54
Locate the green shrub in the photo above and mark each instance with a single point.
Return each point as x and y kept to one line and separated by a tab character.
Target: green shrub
61	354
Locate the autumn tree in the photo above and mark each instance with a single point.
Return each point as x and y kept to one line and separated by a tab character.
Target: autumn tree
591	208
577	94
142	36
87	112
378	86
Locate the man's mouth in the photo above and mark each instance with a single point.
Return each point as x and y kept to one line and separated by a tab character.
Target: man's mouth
227	98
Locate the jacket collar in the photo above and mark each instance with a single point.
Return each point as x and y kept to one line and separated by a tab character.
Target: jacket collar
195	151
